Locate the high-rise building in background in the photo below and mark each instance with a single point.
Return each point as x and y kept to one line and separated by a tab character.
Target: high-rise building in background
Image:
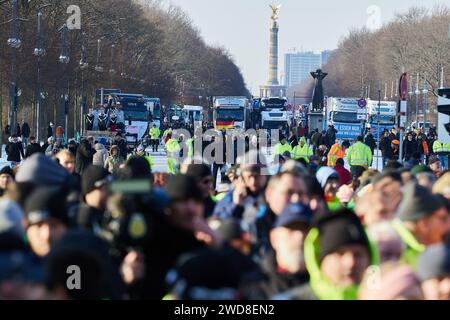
325	56
297	66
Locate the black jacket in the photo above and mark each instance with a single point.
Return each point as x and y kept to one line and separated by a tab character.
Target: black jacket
89	218
14	151
123	148
409	148
85	154
385	146
32	148
272	281
26	130
370	141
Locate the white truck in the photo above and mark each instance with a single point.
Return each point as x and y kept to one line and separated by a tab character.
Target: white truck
388	116
193	115
275	114
444	115
342	113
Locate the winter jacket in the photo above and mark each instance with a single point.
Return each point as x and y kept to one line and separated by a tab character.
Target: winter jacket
26	130
409	148
100	156
370	141
84	157
344	175
123	148
385	146
14	150
112	163
272	281
32	148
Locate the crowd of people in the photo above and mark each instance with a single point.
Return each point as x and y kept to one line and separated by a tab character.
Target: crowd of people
313	230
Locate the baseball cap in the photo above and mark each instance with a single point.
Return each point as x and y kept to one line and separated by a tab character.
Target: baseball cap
294	213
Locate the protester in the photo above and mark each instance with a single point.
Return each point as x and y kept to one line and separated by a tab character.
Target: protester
424	220
14	150
84	157
100	156
434	272
32	148
6	178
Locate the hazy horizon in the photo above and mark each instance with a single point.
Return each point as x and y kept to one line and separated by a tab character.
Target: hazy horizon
242	27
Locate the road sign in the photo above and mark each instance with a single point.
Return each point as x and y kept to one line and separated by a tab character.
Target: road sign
362	103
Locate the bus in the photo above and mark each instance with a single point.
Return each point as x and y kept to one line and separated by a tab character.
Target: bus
388	116
342	113
230	113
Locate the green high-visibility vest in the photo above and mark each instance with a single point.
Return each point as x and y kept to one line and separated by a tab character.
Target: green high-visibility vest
154	133
304	152
359	155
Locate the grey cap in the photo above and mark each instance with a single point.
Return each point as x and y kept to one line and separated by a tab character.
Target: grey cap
418	202
434	262
41	170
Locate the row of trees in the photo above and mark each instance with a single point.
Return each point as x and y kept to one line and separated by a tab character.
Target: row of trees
146	46
365	61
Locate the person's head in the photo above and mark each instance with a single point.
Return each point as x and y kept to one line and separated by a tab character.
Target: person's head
94	184
410	136
435	164
186	202
392	281
250	172
6	177
114	151
426	179
434	272
424	214
283	189
32	139
389	183
340	162
390	245
344	252
202	174
118	136
282	139
46	218
302	141
373	207
154	125
67	160
395	144
329	180
288	235
442	186
232	232
345	144
360	139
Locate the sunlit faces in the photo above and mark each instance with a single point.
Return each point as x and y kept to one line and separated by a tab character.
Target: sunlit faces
346	266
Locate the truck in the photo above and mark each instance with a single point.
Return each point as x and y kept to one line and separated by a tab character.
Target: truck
154	109
230	113
388	116
342	113
443	109
275	114
193	116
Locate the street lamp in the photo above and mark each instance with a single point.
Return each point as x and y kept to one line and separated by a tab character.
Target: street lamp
14	42
98	67
39	52
417	92
425	99
65	59
83	66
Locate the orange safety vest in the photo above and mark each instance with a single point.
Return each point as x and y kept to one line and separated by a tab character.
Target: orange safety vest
335	153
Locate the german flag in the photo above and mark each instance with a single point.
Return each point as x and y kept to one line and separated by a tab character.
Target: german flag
221	125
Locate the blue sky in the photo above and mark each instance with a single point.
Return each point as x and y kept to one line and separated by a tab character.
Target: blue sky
242	26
